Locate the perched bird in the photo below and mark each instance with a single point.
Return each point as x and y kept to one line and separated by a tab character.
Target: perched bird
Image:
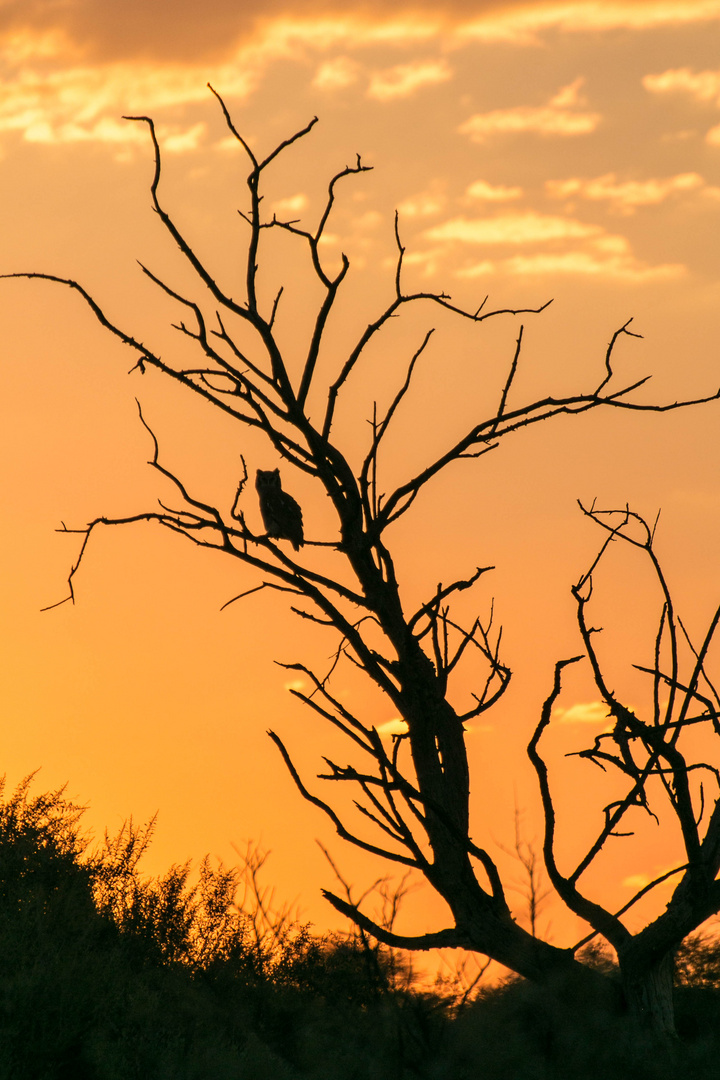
280	513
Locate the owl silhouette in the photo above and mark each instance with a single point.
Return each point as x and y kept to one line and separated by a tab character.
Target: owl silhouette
281	515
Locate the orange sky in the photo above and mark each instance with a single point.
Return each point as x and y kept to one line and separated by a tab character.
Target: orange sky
565	150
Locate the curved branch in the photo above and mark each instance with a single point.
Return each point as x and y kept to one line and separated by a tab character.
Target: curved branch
177	236
597	916
342	831
440	939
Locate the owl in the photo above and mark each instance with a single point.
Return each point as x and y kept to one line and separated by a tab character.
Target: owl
281	515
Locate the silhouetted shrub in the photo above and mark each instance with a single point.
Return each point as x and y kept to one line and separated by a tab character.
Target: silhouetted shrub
109	975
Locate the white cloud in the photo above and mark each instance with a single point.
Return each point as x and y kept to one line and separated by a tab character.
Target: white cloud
336	74
484	192
293	204
427	262
424	204
587	712
404	79
576	263
180	142
640	880
524	26
104	130
568	96
396	726
636	881
83	104
624	196
575	247
284	35
477	270
555	118
527	227
542	121
592	264
701	85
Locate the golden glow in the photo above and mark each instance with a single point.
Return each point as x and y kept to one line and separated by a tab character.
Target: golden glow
523	163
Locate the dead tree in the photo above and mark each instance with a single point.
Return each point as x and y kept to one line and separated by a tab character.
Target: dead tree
413	798
657	760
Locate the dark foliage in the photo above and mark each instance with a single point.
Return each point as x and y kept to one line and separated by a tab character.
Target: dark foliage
109	975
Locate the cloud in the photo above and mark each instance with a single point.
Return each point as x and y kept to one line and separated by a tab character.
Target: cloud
478	270
180	142
82	104
174	139
588	712
67	65
639	881
177	30
484	192
578	263
577	248
424	204
636	881
104	130
403	80
555	118
701	85
523	24
527	227
336	74
396	726
592	264
293	204
624	196
427	262
568	96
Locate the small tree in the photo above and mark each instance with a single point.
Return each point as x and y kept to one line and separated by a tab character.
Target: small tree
659	762
416	794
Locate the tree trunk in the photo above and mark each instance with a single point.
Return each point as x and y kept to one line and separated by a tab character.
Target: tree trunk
649	996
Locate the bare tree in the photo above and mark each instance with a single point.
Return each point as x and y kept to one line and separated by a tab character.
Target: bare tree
532	889
413	797
659	763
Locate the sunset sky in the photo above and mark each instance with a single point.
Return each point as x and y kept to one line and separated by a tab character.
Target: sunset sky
534	151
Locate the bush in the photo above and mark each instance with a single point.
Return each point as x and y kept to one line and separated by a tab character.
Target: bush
109	975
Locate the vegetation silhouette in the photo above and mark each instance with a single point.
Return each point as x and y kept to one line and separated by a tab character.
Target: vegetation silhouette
106	974
414	796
